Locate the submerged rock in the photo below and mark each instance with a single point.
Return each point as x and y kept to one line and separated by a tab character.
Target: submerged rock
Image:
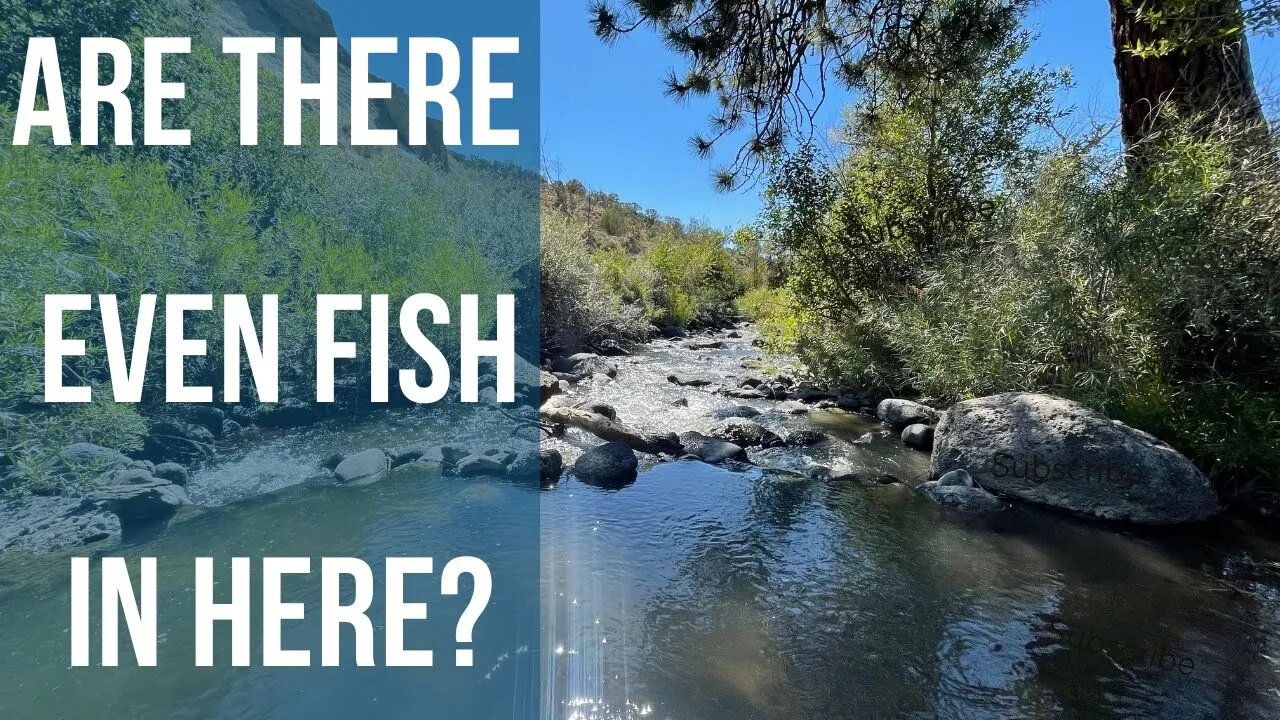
688	380
805	437
711	450
550	466
738	411
962	497
809	394
898	414
744	433
1057	452
793	407
918	436
610	464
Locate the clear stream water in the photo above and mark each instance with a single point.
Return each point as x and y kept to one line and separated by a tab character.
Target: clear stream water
705	593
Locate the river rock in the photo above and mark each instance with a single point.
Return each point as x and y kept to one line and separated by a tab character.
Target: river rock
747	393
792	407
550	466
705	344
751	381
805	437
451	454
898	414
584	365
744	433
711	450
549	385
956	478
689	380
918	436
172	437
597	407
41	524
476	465
809	394
612	463
206	416
128	476
364	465
1057	452
87	459
962	497
173	472
611	348
140	503
738	411
672	332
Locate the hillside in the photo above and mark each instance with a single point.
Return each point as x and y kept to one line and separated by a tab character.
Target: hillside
307	20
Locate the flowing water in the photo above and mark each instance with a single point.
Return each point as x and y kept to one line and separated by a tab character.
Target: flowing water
701	592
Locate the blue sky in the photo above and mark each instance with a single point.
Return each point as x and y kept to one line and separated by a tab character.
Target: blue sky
606	121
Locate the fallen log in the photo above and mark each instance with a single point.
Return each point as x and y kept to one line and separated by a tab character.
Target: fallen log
611	430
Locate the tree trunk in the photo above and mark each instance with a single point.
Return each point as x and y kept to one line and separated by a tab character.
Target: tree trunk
1202	79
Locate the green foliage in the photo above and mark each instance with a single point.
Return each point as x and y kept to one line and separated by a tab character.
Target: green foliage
579	309
216	217
946	254
654	271
774	311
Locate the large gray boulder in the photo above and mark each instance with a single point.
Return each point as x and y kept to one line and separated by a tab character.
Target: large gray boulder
898	414
610	464
140	503
1057	452
366	465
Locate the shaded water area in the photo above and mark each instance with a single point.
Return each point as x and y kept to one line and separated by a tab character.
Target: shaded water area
701	592
698	592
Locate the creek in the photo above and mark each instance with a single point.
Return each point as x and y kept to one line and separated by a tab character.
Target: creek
704	592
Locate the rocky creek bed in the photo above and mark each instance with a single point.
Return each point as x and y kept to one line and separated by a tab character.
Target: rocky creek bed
722	540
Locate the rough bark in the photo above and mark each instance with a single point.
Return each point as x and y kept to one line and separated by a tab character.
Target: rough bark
1203	79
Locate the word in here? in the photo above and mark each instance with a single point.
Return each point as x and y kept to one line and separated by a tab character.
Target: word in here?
106	74
261	347
118	599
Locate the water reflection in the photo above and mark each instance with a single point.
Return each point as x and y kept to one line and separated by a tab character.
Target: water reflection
702	592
